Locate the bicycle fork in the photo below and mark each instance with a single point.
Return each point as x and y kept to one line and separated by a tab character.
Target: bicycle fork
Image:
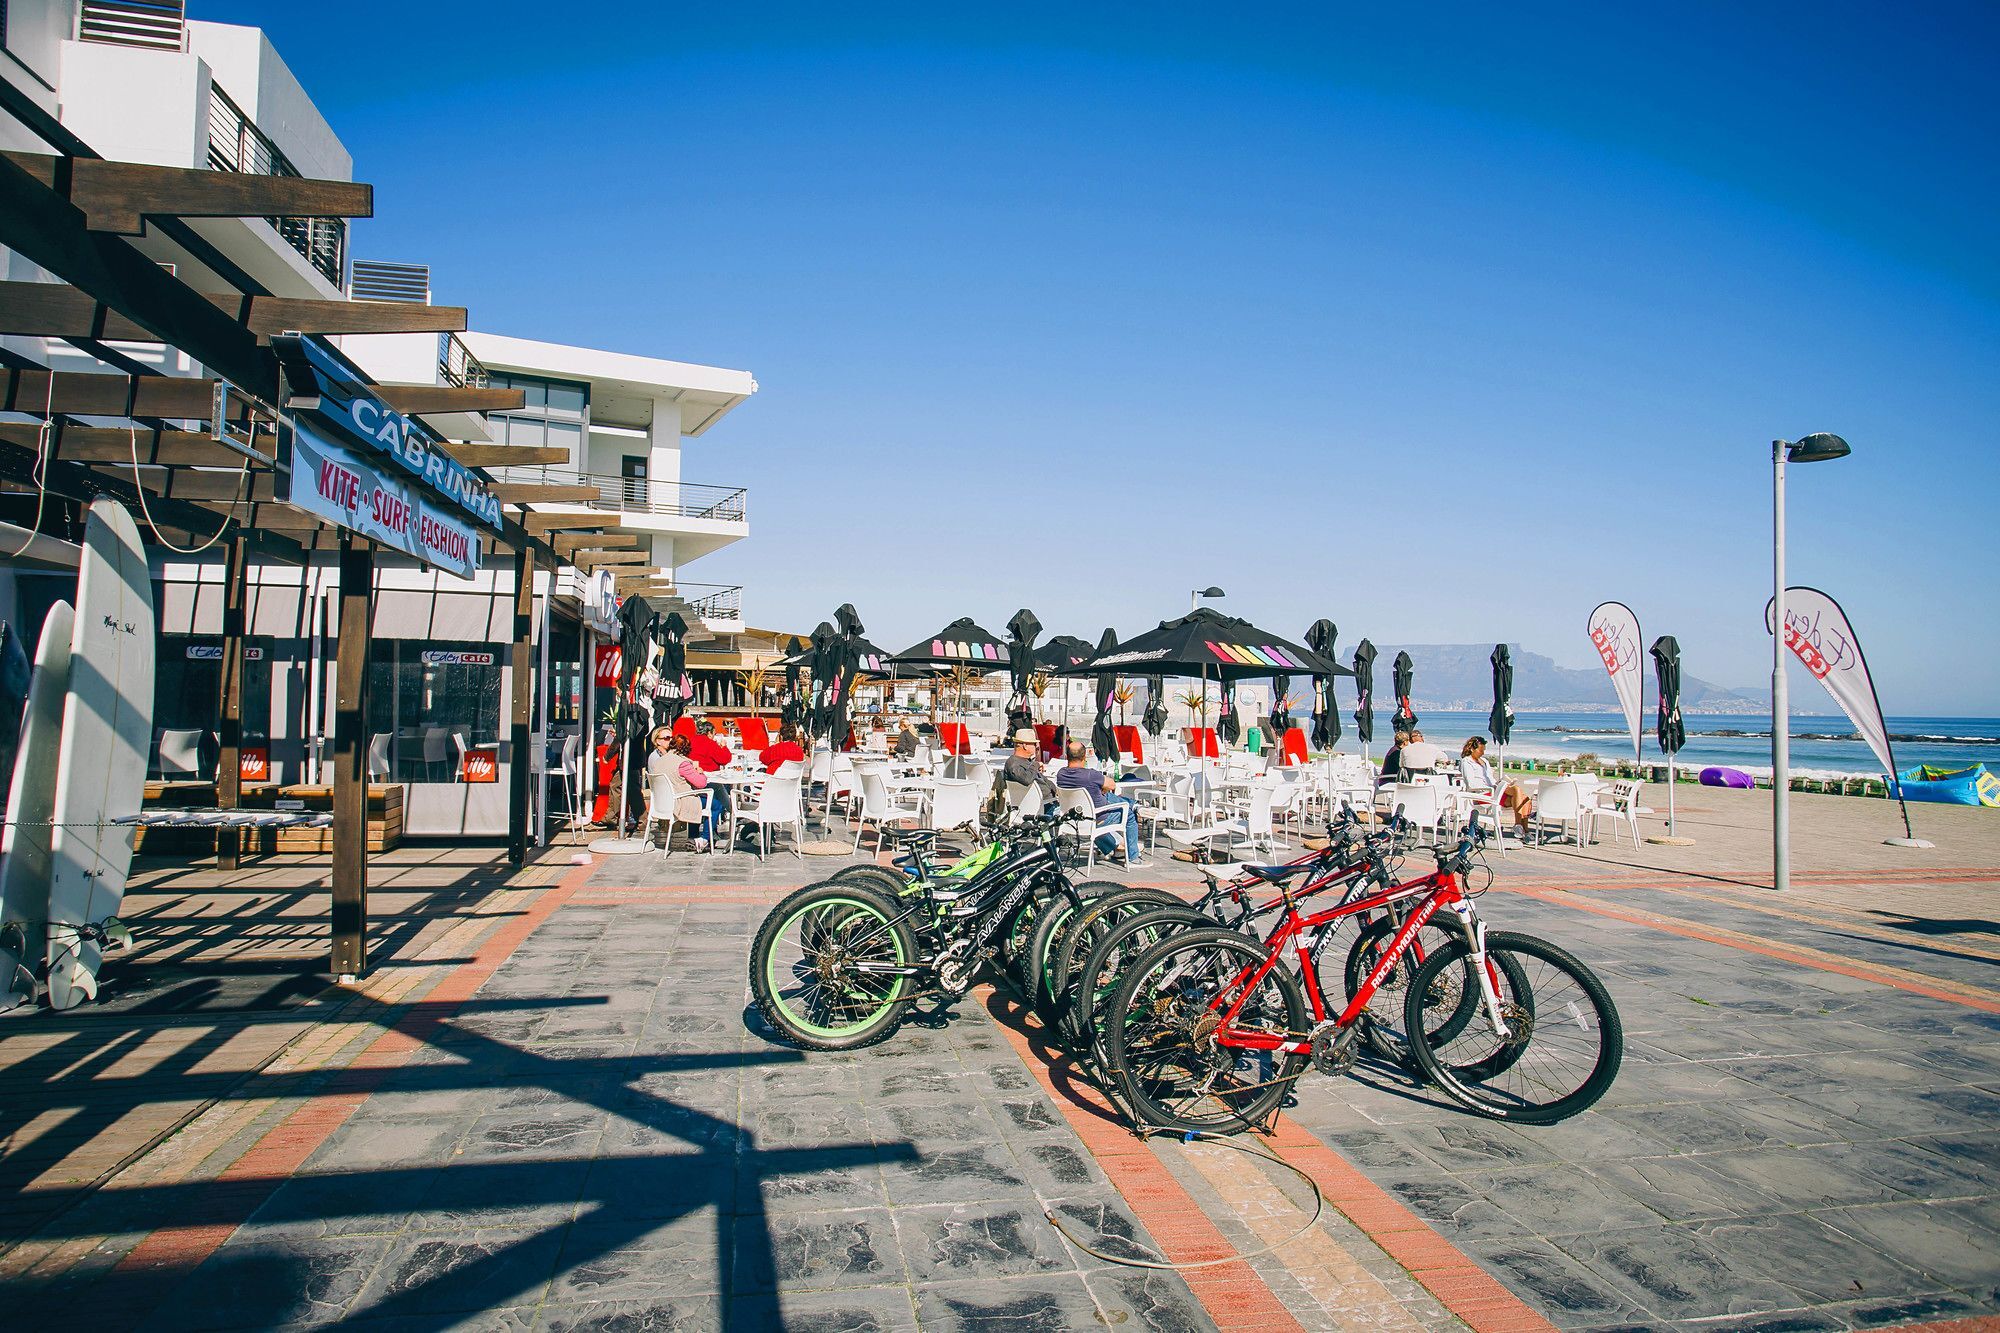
1475	937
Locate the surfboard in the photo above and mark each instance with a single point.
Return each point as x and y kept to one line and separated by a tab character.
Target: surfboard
24	845
107	732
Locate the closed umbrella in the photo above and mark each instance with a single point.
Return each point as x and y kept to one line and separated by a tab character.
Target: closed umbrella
1022	631
670	633
1401	673
1501	720
825	667
1103	741
1228	726
1281	712
1672	733
1364	690
1154	720
1326	714
849	664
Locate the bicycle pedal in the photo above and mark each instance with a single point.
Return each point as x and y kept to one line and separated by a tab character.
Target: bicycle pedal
1333	1047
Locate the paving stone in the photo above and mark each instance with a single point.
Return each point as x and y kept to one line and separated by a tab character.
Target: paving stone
264	1282
868	1310
431	1273
969	1240
1560	1200
622	1259
1808	1257
1155	1301
1043	1303
471	1193
806	1251
1555	1281
939	1174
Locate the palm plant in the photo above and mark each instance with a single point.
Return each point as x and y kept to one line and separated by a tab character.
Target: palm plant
1124	694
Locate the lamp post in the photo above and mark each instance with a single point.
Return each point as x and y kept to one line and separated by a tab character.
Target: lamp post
1817	448
1194	598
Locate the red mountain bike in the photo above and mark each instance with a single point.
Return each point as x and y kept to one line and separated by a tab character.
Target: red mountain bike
1210	1028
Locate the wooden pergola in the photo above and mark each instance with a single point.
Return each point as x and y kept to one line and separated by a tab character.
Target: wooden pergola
77	217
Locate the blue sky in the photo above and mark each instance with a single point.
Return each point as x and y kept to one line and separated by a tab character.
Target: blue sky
1446	326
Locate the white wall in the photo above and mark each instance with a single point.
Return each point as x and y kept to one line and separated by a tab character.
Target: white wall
394	358
257	79
134	105
36	30
665	441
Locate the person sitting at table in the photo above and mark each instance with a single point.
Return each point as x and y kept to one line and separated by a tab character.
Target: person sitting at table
906	741
713	756
1392	762
671	759
1022	769
1419	755
784	749
1480	777
1103	791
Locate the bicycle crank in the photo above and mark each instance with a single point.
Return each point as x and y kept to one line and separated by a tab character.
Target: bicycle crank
1333	1046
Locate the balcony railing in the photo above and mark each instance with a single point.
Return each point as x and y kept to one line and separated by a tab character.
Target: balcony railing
457	365
235	144
713	601
637	495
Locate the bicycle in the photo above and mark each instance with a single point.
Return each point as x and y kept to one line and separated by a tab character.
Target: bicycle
836	965
1208	1030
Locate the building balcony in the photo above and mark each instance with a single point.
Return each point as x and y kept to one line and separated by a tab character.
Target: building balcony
718	604
457	365
235	144
642	497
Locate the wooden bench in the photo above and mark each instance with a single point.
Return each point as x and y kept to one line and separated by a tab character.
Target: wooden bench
385	819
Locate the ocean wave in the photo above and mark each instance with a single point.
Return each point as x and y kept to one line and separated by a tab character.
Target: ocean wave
1583	731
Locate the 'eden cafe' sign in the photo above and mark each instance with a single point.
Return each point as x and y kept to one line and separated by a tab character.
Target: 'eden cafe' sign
433	523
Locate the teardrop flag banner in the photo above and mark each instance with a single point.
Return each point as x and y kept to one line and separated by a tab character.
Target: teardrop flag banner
1614	632
1817	632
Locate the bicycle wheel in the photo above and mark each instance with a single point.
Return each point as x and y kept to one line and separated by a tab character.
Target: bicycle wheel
1564	1040
880	878
802	967
1055	915
1082	931
1160	1033
1097	977
1448	1005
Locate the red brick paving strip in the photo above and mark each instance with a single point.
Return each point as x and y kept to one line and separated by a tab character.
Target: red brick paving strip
168	1254
1234	1295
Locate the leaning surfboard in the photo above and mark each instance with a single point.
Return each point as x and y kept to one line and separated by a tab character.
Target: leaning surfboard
24	845
107	731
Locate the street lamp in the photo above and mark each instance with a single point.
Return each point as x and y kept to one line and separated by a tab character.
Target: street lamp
1194	598
1817	448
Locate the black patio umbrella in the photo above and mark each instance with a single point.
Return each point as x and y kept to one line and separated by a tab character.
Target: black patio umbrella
825	668
1228	726
1501	720
1154	719
1672	733
670	632
794	658
1064	650
849	623
1022	631
959	644
1401	673
1103	742
1326	714
1281	711
1364	690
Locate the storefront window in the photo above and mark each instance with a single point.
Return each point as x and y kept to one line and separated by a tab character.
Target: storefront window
429	702
187	692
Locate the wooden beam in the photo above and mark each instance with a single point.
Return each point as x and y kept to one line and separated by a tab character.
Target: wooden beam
543	492
597	560
534	522
113	444
601	541
521	699
420	399
229	766
57	310
182	484
116	197
506	455
350	760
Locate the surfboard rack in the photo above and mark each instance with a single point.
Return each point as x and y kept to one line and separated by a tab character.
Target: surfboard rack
198	818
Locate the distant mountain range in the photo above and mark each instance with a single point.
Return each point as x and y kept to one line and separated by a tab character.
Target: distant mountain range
1459	676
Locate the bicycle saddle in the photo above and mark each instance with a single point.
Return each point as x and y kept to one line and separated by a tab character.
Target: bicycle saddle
911	837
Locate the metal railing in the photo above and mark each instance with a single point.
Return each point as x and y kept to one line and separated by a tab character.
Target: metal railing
457	365
721	601
638	495
155	25
235	144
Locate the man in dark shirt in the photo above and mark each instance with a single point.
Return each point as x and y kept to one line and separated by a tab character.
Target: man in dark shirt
1021	767
1392	762
906	741
1103	791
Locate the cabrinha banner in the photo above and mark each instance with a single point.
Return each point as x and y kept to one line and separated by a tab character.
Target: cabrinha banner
1817	632
1614	632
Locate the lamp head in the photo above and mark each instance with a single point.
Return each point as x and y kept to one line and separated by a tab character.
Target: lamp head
1211	591
1817	448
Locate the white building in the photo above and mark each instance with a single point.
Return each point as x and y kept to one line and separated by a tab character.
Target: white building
139	83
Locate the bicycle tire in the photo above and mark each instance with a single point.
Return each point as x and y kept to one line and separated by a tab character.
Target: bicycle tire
847	1012
1049	922
1544	1071
1083	930
881	878
1156	1047
1094	982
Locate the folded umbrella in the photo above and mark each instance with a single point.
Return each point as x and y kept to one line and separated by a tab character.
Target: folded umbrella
1281	712
1022	631
1103	741
1326	715
1403	670
1501	720
1364	689
1154	719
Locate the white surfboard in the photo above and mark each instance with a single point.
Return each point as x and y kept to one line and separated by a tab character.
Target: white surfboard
107	733
25	843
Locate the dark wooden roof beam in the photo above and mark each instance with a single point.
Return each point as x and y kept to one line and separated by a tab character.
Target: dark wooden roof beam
117	197
56	310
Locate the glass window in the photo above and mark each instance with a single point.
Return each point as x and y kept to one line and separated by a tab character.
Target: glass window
432	699
567	399
565	435
187	691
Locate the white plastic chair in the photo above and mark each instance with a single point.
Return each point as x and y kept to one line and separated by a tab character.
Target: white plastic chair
1422	803
572	753
955	804
1108	819
180	753
378	756
459	747
879	808
1617	801
778	804
434	751
1559	803
1023	799
663	794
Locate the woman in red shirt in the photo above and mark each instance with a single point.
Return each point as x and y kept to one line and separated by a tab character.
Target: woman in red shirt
787	747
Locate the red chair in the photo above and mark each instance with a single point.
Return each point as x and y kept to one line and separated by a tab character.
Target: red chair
755	735
1128	743
1292	750
1049	736
1202	744
953	736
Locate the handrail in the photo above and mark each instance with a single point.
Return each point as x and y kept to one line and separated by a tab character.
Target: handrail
640	495
457	365
236	144
725	602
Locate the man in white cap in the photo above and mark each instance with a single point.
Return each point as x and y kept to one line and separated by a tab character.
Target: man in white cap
1021	767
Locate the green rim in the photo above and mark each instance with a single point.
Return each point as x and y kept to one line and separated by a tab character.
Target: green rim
845	924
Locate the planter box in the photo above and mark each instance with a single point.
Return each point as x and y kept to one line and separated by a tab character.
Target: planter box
385	819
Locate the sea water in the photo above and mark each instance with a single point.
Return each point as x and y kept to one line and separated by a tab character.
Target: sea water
1821	746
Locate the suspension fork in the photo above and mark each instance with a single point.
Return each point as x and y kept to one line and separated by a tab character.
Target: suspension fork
1482	964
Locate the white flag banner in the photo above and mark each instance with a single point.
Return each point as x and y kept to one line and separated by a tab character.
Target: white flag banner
1614	632
1817	632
